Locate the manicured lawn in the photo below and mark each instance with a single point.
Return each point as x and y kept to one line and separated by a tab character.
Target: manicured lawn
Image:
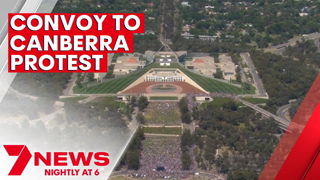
218	101
72	99
107	102
116	85
212	85
111	86
256	100
163	98
162	130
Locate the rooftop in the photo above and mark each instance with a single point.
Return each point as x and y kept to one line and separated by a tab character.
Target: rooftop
224	59
132	60
198	61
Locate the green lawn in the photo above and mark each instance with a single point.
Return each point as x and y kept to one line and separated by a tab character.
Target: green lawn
72	99
111	86
163	98
218	101
256	100
107	102
116	85
212	85
162	130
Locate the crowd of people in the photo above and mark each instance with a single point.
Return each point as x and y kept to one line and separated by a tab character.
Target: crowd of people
163	106
162	113
161	158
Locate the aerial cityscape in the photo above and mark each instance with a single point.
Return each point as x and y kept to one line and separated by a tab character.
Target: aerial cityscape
209	91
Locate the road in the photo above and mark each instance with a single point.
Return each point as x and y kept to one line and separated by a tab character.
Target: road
68	90
277	49
266	113
282	111
256	79
283	123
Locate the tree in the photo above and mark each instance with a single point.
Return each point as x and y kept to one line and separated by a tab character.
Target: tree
133	159
186	161
90	77
230	105
142	103
294	107
186	138
78	84
246	86
218	74
186	118
186	142
195	113
183	105
129	111
140	118
109	75
133	100
223	162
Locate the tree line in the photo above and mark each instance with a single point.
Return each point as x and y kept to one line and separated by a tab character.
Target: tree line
236	140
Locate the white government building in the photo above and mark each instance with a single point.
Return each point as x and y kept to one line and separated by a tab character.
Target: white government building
164	75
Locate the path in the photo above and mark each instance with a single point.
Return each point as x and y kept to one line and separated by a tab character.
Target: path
68	90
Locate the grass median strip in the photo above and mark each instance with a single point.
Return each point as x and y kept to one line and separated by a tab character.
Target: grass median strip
256	100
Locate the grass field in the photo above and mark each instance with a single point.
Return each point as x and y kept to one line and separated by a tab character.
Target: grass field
164	114
169	117
107	101
256	100
118	84
218	101
163	98
162	130
111	86
72	99
212	85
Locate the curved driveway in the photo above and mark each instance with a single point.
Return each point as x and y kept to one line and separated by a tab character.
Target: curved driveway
282	110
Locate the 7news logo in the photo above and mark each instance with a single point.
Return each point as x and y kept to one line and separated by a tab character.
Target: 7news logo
59	159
